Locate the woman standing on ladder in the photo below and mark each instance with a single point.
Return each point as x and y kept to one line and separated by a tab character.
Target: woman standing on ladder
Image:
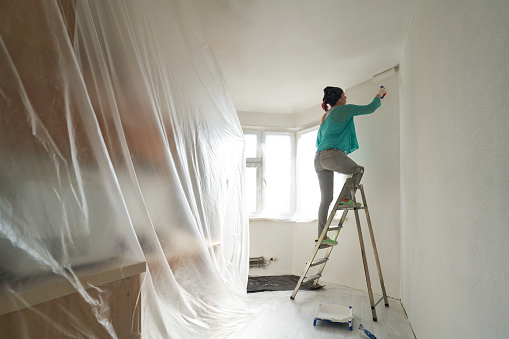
335	140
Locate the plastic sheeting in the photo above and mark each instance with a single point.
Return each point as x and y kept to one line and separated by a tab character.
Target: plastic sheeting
121	174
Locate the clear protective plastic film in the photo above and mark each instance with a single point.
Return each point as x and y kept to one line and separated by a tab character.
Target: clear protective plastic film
121	175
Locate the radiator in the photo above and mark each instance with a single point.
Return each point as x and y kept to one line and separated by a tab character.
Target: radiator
259	261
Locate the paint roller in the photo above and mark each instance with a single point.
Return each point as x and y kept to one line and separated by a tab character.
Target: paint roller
378	78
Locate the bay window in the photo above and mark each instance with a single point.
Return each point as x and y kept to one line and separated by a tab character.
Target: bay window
281	182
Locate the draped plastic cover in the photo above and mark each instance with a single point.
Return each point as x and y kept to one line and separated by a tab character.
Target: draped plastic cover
121	174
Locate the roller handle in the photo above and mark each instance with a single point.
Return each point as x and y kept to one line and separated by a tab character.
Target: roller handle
383	96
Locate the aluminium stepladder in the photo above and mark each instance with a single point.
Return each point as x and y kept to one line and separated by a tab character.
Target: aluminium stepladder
352	186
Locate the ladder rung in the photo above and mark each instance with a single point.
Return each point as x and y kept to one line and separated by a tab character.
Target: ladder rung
325	245
318	262
311	278
334	228
343	207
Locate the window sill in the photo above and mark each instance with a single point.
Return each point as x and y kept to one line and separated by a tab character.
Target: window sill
294	220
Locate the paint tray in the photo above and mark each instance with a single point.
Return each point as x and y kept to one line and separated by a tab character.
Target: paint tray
334	313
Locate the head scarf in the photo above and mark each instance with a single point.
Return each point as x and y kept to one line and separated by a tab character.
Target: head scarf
331	96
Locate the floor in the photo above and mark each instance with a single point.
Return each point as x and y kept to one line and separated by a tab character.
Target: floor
280	317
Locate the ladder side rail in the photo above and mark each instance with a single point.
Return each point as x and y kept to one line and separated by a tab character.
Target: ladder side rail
347	185
329	250
327	225
306	268
340	223
354	185
322	266
333	211
359	177
320	238
364	260
327	254
375	251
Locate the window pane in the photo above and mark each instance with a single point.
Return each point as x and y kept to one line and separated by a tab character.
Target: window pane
251	145
251	189
308	191
277	167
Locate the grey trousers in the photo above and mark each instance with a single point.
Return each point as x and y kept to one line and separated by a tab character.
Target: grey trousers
326	163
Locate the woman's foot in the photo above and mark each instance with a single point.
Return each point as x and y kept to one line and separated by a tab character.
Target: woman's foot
329	241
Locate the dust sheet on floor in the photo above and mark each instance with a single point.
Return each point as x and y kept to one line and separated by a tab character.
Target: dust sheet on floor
277	283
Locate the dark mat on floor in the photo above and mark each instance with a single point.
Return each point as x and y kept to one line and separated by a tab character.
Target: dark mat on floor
277	283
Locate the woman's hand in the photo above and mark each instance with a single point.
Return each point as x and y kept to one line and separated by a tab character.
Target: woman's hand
381	92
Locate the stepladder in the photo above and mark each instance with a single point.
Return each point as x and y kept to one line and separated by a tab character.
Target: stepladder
322	251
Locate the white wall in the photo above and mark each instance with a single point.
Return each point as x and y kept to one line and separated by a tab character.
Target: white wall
454	161
265	119
308	117
292	243
271	239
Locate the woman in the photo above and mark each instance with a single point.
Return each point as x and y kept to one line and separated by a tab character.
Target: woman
336	138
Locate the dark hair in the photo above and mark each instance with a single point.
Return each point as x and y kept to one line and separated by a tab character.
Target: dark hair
331	96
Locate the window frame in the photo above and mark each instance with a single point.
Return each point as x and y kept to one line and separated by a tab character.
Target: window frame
298	188
258	163
295	135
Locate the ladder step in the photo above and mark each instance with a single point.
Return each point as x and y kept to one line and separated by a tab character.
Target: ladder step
325	245
334	228
318	262
343	207
311	278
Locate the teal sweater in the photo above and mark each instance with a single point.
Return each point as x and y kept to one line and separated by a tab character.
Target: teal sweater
338	129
